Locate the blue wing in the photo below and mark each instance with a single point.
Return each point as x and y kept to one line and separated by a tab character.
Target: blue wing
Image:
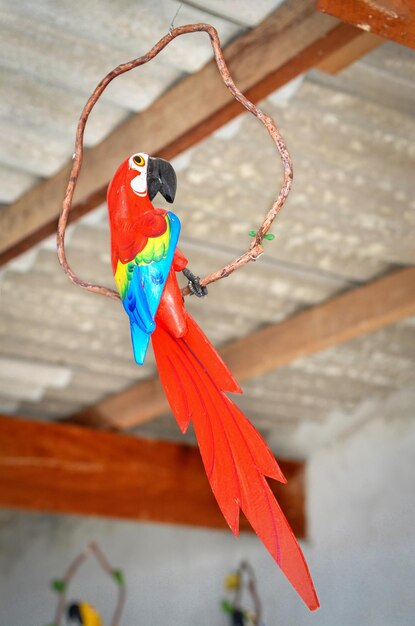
146	286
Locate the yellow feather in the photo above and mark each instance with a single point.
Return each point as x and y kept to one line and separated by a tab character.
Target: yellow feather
155	249
89	615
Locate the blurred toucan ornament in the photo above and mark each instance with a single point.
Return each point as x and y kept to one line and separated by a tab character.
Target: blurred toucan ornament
83	614
145	259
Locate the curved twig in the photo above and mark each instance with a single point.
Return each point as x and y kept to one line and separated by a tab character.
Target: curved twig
95	550
255	249
69	574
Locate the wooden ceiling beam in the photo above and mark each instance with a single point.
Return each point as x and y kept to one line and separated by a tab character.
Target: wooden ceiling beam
350	53
67	469
390	19
347	316
289	42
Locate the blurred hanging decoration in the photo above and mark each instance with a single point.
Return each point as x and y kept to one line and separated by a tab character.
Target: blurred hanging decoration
145	259
80	612
239	584
83	614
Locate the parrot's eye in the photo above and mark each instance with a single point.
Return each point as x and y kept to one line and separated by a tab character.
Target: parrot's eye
138	160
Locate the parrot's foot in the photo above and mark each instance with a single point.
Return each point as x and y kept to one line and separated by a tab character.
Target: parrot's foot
194	285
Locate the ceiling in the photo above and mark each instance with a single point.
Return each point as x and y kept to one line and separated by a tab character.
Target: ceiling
349	218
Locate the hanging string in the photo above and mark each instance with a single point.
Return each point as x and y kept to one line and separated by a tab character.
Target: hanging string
174	17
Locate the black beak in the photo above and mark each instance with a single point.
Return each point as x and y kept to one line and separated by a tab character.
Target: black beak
73	612
161	177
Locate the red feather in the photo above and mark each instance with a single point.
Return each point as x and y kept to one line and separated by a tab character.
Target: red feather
235	456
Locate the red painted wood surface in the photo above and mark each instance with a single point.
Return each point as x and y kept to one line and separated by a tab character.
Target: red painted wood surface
391	19
68	469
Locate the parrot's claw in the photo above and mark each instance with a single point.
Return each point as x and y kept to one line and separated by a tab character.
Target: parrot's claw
194	285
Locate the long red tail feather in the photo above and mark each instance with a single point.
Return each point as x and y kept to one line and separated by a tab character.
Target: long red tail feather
235	456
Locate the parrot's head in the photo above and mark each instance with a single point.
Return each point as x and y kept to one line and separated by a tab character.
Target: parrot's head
74	613
147	175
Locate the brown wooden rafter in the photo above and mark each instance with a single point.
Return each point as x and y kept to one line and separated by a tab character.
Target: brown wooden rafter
390	19
289	42
67	469
344	317
350	53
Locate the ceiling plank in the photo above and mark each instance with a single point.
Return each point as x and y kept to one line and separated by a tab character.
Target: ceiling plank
350	53
355	313
67	469
391	19
289	42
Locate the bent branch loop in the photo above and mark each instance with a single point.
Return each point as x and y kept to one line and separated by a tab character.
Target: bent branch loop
92	550
255	248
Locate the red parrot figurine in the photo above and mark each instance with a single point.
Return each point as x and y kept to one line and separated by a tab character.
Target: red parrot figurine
145	259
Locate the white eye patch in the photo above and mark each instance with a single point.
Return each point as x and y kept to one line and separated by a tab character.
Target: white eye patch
139	183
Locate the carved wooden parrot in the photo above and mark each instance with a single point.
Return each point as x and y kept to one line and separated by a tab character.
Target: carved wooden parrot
145	259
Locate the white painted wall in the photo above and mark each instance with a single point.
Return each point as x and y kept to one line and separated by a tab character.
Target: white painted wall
361	551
